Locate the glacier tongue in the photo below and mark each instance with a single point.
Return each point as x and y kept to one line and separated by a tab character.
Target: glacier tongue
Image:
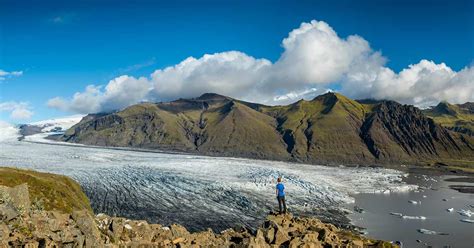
200	191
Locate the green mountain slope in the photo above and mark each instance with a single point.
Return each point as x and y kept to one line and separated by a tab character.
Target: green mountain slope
329	129
324	129
456	117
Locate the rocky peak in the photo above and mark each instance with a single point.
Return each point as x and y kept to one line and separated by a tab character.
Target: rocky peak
406	127
467	107
328	98
444	108
212	97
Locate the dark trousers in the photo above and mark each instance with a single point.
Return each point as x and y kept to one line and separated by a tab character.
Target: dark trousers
281	201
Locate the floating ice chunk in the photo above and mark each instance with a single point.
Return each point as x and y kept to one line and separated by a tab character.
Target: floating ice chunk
467	213
359	209
450	209
430	232
396	214
414	217
467	220
414	202
424	196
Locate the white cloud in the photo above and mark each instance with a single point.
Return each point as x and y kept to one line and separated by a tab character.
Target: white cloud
17	110
119	93
229	73
294	96
5	74
314	57
8	132
315	54
423	84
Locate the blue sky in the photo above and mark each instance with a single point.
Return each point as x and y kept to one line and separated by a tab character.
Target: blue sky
62	46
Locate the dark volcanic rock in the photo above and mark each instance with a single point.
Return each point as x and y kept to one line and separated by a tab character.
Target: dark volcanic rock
26	129
401	132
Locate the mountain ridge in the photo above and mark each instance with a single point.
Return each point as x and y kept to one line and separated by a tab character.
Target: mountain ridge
329	129
455	117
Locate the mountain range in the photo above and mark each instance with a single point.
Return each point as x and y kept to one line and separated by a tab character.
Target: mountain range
329	129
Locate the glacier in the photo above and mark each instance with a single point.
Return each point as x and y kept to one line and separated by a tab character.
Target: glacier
198	191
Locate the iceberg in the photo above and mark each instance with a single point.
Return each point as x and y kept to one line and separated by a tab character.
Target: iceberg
430	232
359	209
414	217
467	213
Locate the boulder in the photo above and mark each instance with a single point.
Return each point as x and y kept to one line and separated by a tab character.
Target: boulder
4	232
88	227
7	212
17	196
270	235
178	230
281	236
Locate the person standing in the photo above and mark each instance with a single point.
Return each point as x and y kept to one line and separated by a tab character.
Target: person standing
280	193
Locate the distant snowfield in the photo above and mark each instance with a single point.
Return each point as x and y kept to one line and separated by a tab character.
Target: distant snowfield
64	123
197	191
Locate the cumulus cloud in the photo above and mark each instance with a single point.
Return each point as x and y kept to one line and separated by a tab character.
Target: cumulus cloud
315	54
5	74
423	84
118	93
17	110
230	73
314	59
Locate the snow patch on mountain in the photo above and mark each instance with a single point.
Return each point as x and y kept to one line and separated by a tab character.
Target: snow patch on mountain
62	123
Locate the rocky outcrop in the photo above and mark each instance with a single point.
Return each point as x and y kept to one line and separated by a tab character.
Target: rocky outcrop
401	132
23	224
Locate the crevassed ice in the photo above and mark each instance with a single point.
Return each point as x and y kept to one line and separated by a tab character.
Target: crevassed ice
198	191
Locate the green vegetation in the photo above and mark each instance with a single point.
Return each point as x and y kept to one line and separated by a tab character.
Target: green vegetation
330	129
52	192
457	117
